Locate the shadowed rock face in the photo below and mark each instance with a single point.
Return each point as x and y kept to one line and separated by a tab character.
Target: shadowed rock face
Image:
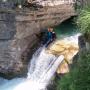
17	44
17	35
6	4
7	26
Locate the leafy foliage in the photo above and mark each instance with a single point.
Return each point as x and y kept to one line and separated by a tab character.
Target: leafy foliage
79	77
84	21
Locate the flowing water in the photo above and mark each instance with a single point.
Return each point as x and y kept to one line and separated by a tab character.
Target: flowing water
42	67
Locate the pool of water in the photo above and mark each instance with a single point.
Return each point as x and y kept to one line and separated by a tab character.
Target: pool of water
67	28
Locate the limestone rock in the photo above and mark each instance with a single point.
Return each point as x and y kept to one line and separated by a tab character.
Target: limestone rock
17	44
63	68
68	48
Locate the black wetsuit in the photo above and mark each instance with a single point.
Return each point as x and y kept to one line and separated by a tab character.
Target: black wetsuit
53	36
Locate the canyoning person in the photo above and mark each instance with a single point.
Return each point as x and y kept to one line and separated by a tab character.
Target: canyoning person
51	36
48	37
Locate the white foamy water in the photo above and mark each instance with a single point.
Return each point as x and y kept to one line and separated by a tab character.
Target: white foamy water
41	69
42	72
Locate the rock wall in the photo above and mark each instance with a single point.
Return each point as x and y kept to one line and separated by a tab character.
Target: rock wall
83	3
16	44
84	43
6	4
18	39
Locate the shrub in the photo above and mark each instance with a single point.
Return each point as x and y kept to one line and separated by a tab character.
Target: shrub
79	77
84	21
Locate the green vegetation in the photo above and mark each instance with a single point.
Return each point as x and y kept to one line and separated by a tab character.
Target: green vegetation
79	76
84	20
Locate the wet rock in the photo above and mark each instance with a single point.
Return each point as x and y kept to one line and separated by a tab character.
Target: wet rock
82	42
67	47
17	44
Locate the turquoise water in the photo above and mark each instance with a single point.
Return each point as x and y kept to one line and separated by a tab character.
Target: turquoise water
67	28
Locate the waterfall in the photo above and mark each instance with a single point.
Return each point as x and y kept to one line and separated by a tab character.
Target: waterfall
42	64
41	70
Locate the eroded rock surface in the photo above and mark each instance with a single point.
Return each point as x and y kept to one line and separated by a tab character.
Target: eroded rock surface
67	47
17	43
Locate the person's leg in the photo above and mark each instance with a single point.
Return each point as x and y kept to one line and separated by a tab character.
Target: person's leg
48	42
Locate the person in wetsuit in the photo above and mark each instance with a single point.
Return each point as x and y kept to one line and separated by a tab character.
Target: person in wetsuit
51	36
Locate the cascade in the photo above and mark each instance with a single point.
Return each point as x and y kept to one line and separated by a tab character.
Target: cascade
42	68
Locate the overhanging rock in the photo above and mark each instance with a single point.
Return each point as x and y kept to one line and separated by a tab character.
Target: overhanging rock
17	34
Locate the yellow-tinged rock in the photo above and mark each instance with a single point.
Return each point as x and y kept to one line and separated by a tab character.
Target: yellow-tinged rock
63	68
66	48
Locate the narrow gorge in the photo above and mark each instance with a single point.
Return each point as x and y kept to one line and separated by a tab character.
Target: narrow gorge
24	63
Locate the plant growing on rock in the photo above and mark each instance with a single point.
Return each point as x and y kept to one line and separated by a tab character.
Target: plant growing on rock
83	22
79	77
